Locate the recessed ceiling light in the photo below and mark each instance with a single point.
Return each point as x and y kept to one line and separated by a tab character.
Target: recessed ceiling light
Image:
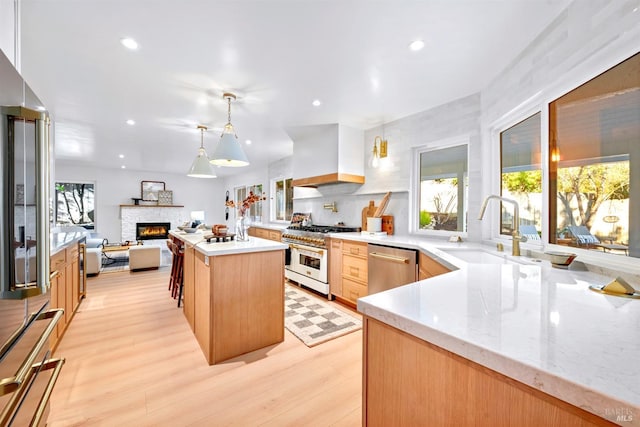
316	103
41	108
131	122
129	43
248	142
416	45
121	156
123	167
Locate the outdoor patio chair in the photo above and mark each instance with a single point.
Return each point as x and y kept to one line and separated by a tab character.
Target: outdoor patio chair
530	232
584	238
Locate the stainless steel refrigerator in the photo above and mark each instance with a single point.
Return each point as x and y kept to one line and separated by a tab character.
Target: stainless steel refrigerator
27	372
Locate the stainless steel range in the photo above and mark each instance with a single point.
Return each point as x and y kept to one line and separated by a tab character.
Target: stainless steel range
309	261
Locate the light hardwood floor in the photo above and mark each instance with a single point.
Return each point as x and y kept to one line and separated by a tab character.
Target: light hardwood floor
132	360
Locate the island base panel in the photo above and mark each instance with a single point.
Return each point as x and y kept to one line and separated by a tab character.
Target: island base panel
410	382
239	303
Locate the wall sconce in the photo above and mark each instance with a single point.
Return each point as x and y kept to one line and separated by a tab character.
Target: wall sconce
378	153
555	154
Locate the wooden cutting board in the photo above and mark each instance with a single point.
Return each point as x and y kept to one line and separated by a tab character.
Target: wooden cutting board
366	212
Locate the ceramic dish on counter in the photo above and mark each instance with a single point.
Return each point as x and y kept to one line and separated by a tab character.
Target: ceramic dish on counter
560	259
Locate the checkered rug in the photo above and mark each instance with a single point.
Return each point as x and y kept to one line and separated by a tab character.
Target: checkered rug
314	321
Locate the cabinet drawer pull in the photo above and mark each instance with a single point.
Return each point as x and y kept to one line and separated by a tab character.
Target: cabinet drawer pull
392	258
18	396
355	251
354	271
8	385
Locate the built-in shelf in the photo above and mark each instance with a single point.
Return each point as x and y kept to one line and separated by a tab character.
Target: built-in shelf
152	206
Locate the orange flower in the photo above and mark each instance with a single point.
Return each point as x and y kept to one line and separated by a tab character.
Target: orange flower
246	203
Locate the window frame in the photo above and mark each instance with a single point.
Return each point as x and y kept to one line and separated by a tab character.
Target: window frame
540	102
273	201
95	202
414	199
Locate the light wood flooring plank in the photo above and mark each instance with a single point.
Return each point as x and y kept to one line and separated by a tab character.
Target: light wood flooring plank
133	360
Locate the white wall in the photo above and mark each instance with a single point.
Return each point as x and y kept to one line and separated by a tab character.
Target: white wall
117	187
460	117
583	41
8	33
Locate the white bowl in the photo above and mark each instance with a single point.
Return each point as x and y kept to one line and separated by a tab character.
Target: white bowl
189	230
562	259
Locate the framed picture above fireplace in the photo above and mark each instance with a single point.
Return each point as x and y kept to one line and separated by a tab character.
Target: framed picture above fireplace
150	189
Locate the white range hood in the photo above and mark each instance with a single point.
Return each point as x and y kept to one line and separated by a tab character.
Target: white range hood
327	154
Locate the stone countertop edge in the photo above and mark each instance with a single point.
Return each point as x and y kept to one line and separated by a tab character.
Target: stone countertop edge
270	225
255	244
585	358
63	240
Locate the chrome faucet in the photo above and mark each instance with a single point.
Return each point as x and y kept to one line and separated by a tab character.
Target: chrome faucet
516	237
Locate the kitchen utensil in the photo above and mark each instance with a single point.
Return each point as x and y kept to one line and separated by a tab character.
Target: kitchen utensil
383	205
374	224
368	211
387	224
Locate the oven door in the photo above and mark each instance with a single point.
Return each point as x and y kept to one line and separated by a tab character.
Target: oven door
309	261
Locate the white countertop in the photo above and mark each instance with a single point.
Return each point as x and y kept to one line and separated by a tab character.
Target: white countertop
537	324
254	244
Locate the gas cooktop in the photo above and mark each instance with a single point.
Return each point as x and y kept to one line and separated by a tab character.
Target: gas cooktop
324	228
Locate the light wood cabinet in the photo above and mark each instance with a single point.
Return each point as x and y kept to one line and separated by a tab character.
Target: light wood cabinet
428	267
239	302
65	288
354	270
188	289
335	267
408	381
265	233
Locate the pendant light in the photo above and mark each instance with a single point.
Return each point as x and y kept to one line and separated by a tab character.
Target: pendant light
201	168
229	152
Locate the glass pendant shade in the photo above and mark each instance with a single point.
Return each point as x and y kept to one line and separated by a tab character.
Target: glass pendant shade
229	152
201	168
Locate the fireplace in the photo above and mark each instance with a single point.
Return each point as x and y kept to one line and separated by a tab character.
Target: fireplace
152	230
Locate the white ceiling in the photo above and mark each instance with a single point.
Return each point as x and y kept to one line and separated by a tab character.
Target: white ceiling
277	56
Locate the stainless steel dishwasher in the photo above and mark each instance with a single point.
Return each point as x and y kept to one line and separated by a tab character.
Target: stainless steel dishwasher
390	267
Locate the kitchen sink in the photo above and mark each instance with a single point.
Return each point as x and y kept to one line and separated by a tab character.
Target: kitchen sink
480	256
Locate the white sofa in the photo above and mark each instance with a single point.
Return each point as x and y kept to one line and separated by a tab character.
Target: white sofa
144	257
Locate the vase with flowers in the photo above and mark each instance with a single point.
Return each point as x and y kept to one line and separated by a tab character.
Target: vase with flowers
242	221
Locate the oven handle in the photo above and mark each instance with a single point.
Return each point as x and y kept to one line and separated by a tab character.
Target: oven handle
306	248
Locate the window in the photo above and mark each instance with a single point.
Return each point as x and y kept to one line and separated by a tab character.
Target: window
594	146
255	210
282	200
521	173
442	189
75	204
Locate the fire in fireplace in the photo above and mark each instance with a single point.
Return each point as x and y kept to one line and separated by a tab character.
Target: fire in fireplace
152	230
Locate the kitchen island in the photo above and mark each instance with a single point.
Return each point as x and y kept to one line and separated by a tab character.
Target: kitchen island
233	294
506	344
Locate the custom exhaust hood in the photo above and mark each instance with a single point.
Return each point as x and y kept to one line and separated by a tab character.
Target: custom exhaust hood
327	154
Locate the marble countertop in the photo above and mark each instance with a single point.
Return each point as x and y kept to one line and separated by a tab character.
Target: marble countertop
254	244
61	240
537	324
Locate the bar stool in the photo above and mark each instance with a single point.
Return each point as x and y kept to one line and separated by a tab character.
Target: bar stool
177	270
